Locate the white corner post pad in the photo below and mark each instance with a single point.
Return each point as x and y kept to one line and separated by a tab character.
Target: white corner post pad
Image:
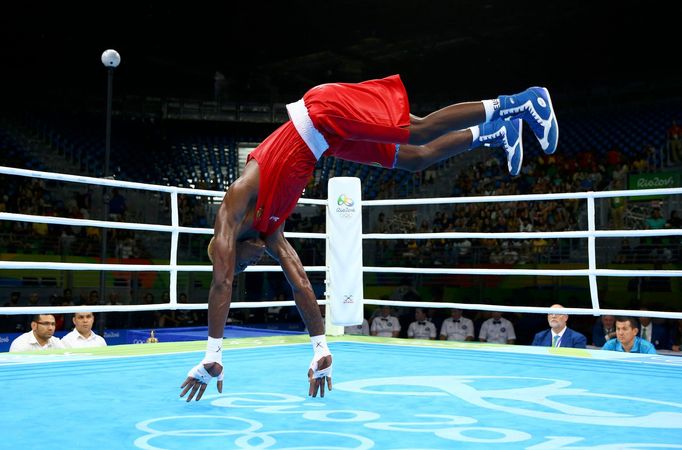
344	251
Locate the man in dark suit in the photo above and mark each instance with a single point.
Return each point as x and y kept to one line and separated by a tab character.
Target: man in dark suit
604	330
559	335
654	332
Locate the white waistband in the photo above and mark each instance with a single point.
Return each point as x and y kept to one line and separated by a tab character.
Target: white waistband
298	113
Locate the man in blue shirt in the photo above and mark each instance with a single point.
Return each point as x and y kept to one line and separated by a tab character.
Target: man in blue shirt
626	338
559	335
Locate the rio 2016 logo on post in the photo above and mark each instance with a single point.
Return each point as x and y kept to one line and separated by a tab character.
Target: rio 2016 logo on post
345	201
345	206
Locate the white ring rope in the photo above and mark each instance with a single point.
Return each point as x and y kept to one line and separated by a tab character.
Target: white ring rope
526	234
532	272
523	197
127	308
125	184
525	309
128	225
134	267
591	234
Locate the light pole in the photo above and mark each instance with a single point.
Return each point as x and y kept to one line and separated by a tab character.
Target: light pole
111	59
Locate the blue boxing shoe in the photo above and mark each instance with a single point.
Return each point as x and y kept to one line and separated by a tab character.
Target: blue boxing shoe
534	106
505	134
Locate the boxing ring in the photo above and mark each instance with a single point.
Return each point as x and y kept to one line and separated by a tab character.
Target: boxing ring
388	393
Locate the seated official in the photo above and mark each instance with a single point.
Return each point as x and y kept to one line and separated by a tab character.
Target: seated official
604	330
457	327
497	330
421	328
82	335
385	325
41	336
559	335
654	332
626	338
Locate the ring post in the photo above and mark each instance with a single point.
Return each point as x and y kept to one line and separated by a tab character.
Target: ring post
344	254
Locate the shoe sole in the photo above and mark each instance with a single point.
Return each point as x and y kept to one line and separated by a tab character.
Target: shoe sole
520	126
556	122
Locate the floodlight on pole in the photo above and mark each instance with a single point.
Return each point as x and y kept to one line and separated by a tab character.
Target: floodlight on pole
111	59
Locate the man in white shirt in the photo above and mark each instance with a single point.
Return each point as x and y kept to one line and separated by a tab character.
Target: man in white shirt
41	336
457	327
385	325
82	335
421	328
358	330
497	329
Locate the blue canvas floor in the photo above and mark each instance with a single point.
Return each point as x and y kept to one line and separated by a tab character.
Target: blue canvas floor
385	396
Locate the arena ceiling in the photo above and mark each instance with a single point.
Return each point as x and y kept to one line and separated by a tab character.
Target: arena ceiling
445	50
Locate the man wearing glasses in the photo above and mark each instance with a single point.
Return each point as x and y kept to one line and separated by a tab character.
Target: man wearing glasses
41	336
559	335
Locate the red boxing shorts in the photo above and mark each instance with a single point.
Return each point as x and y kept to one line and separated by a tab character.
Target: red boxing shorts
285	164
361	122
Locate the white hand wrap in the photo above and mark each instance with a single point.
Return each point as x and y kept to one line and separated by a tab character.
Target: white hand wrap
200	373
214	354
320	350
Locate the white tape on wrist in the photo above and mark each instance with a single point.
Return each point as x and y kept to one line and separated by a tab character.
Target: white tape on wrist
320	345
214	351
320	350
